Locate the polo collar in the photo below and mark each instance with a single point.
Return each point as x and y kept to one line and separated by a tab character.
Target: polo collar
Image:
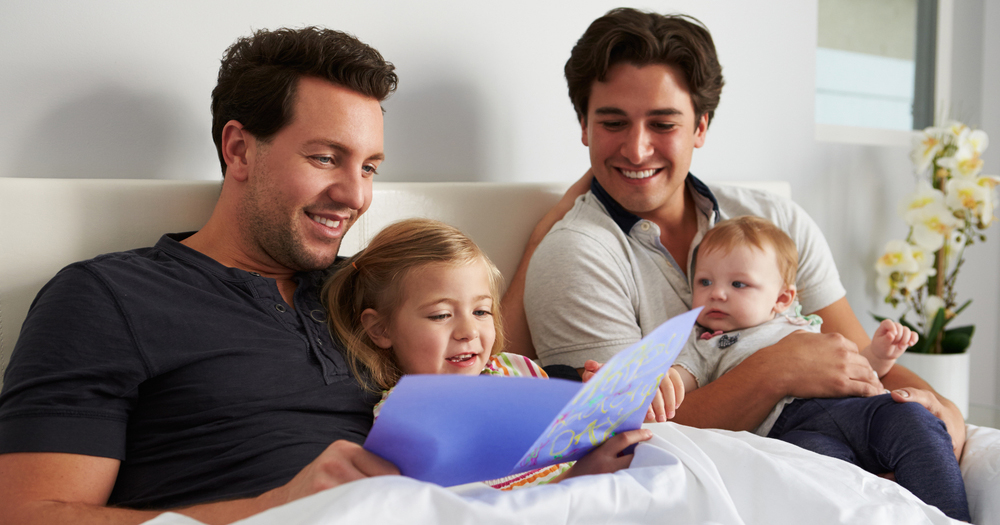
625	219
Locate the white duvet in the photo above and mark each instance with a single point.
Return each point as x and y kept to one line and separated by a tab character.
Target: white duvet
683	475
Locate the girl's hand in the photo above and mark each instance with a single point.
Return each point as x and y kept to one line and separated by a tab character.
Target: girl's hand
608	457
668	398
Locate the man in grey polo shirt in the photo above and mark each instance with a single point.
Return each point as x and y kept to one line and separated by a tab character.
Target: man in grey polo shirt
645	88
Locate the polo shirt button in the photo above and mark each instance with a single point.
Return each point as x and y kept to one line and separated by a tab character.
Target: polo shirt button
644	226
280	307
255	274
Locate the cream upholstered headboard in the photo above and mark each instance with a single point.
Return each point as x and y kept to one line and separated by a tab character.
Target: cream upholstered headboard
46	224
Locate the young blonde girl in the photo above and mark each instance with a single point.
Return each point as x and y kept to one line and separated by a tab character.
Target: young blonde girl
423	298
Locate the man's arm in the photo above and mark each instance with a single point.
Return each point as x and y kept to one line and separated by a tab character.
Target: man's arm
512	305
802	365
840	318
52	488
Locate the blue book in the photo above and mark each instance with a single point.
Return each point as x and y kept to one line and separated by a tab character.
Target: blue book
452	429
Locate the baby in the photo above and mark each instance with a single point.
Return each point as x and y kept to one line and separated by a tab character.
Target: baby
744	278
422	298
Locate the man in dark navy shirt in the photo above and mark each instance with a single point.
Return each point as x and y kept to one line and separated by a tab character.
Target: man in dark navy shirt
199	373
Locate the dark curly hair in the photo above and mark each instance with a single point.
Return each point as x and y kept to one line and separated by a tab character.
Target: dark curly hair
260	73
642	38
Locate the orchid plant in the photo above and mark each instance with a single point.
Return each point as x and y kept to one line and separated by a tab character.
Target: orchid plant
952	205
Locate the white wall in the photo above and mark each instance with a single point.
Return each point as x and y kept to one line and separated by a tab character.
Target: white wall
121	89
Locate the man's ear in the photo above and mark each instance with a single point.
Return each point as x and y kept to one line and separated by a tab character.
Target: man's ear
701	130
234	150
375	328
583	125
785	299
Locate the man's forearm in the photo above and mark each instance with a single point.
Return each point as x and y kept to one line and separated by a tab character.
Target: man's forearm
56	512
739	400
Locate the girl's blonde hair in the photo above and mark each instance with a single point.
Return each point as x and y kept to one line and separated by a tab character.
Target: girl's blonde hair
756	232
373	278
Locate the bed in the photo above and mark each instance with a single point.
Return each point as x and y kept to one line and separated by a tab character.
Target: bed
684	475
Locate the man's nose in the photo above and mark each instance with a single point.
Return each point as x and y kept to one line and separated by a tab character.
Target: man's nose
637	147
351	189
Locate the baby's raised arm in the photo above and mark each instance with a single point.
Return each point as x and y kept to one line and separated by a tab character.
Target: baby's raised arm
889	342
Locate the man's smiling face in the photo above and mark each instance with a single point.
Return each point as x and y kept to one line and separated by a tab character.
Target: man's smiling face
309	183
641	131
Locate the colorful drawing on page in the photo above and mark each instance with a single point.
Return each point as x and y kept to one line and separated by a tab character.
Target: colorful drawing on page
614	400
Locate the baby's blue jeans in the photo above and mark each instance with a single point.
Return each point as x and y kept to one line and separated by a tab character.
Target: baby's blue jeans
881	435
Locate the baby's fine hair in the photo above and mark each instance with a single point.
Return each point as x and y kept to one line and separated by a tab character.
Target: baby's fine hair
373	278
756	232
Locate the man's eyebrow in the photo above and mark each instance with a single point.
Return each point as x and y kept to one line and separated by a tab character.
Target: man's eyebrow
665	112
662	112
341	148
609	111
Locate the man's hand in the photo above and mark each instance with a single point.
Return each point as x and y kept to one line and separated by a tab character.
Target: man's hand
812	365
802	364
668	398
936	406
340	463
608	457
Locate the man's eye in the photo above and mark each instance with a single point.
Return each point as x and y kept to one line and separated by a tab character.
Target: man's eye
664	126
370	170
323	159
613	124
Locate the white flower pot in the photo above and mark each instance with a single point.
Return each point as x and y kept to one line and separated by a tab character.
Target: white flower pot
947	373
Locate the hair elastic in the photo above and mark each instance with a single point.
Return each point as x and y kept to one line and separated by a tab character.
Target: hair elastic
354	265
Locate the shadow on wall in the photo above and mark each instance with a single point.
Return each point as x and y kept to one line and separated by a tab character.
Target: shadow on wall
434	134
111	133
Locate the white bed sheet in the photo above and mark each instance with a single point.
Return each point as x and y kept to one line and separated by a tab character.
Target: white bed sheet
683	475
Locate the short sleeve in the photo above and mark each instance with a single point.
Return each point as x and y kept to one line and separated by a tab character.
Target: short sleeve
580	300
74	374
818	282
695	361
513	365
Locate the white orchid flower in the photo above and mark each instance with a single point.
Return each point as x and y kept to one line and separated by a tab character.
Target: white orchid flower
886	285
922	197
966	162
897	258
913	281
976	140
989	184
932	224
926	146
955	128
932	304
965	194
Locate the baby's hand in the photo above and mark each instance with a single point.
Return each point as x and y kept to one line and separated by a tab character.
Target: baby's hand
891	339
668	398
589	369
606	458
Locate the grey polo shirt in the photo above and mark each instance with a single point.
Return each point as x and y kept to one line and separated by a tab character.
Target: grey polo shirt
601	279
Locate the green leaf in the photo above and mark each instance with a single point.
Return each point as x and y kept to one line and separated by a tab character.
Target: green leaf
955	342
960	308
